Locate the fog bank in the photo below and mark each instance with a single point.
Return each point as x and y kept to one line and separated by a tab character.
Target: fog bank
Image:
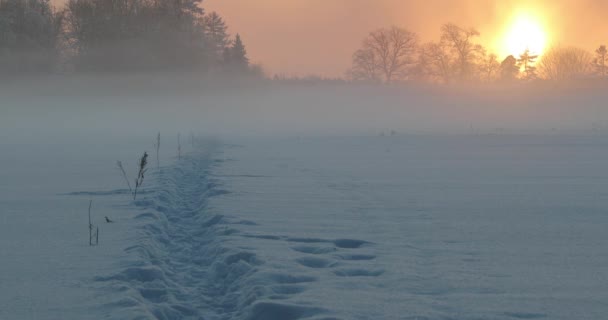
143	105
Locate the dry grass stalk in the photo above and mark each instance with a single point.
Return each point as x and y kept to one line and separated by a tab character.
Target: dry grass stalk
143	162
157	145
124	175
179	146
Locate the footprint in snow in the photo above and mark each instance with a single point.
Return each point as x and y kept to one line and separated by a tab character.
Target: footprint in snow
316	263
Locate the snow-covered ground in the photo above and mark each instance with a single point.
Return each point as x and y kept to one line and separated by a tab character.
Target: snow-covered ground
46	265
352	227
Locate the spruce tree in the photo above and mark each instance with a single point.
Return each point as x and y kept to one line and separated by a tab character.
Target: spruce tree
238	54
216	32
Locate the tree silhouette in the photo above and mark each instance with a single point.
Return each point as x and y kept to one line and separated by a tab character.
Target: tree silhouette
391	51
466	52
526	61
126	35
364	66
114	35
490	68
565	63
216	32
436	63
237	55
234	57
509	69
30	36
601	61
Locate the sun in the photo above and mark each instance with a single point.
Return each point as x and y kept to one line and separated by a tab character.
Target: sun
525	32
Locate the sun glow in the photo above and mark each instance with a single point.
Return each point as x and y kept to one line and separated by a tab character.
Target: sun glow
525	32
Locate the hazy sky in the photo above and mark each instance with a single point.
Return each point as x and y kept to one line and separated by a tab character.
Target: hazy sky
318	36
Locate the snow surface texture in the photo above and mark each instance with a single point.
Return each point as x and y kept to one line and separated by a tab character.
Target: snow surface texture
46	264
403	227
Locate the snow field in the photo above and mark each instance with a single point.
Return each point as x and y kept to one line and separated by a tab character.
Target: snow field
405	227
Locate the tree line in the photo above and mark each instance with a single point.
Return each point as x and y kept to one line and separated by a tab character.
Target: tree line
116	36
396	54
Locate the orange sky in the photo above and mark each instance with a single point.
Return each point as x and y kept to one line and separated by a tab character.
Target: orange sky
300	37
319	36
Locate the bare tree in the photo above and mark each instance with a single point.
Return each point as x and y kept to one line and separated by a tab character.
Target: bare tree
466	52
565	63
435	63
389	52
489	68
30	36
364	66
601	60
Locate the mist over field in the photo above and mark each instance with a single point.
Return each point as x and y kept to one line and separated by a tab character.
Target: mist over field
141	104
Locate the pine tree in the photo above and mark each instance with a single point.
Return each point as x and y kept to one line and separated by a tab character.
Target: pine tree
191	7
238	54
601	61
217	36
526	61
